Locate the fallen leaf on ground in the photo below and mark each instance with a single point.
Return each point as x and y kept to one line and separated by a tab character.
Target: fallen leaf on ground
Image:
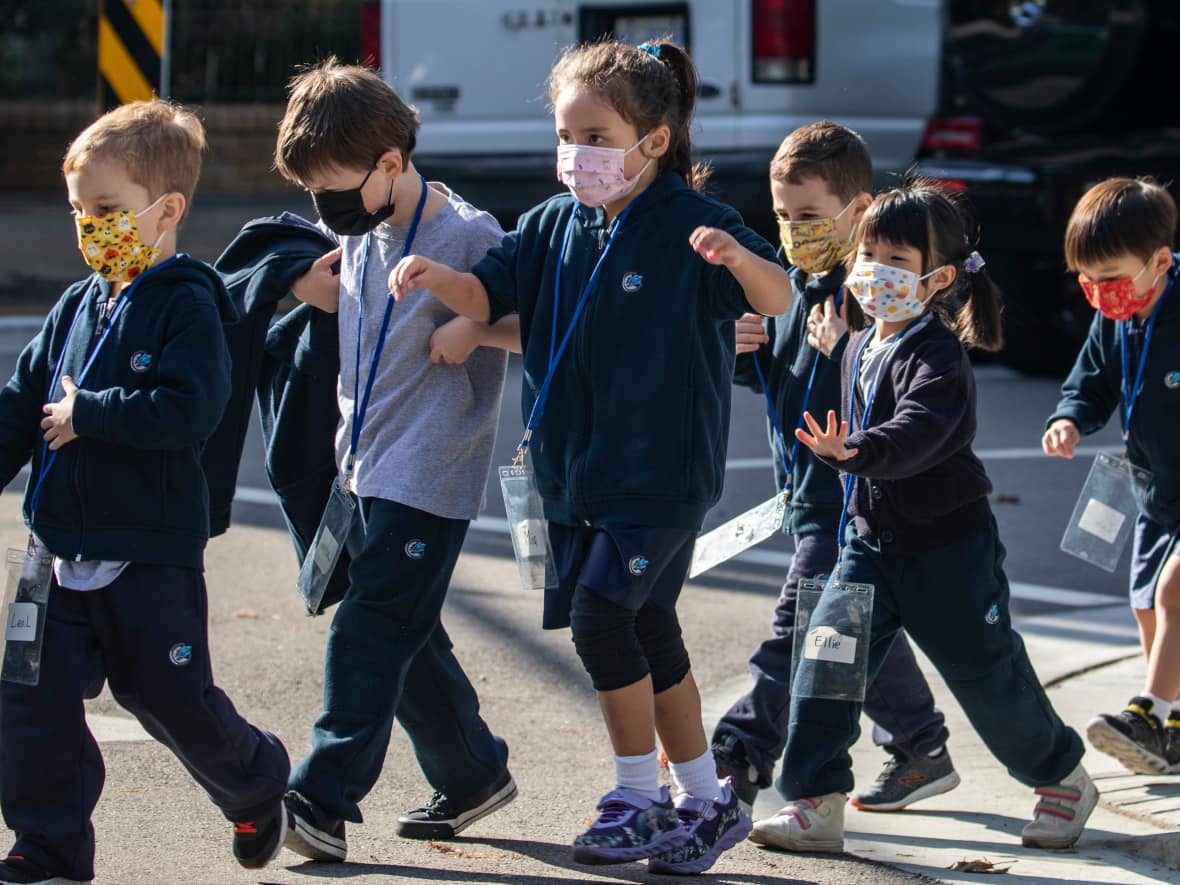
983	865
245	613
462	851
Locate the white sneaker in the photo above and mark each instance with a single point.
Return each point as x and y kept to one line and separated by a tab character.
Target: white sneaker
805	825
1061	812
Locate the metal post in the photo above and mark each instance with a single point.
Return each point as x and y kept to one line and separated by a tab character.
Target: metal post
166	53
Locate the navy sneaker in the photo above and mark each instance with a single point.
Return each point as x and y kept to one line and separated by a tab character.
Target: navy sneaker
712	827
257	842
313	834
744	776
442	818
1133	736
1172	743
630	827
17	870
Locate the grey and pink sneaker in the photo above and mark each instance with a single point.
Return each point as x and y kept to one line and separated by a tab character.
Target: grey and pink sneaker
630	827
712	827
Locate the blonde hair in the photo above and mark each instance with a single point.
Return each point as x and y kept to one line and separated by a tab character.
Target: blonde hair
342	116
157	142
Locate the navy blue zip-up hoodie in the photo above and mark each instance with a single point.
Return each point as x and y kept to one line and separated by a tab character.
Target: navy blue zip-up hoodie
918	484
638	415
786	360
1093	391
130	487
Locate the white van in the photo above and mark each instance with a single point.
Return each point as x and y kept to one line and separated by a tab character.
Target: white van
476	71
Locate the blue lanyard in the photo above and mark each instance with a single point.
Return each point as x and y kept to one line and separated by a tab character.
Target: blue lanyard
48	458
360	405
849	479
557	350
1131	391
789	461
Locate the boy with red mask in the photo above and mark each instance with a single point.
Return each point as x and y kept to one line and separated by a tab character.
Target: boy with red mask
1119	241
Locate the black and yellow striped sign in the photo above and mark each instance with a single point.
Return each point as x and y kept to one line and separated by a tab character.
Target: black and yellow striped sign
130	50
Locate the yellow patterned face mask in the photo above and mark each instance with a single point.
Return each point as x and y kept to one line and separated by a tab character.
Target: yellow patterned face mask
110	244
812	244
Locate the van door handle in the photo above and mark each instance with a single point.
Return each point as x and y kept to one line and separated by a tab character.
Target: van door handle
708	90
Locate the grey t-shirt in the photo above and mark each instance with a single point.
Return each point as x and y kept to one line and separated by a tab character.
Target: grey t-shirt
427	437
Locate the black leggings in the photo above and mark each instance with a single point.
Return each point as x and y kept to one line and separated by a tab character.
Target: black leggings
619	646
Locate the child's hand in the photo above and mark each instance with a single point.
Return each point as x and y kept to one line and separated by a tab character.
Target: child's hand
58	422
827	443
414	272
1060	438
716	246
749	333
320	287
825	327
453	341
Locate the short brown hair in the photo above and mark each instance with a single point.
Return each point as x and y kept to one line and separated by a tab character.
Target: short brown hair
342	116
1117	217
827	151
157	142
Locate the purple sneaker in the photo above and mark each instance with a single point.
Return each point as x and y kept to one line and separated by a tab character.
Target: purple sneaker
712	826
630	827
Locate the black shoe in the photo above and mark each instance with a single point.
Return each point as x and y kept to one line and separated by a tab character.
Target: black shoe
257	842
1172	743
1134	737
15	870
444	819
744	776
311	833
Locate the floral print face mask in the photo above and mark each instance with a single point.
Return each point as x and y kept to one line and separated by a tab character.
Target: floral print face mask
885	292
1117	299
812	244
110	244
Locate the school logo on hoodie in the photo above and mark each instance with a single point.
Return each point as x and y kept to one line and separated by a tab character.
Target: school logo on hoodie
141	361
1172	379
632	282
415	549
638	565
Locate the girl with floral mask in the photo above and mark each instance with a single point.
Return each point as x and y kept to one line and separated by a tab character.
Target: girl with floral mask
627	289
919	526
1119	241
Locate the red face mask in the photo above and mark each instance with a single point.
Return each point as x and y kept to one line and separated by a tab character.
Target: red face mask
1116	298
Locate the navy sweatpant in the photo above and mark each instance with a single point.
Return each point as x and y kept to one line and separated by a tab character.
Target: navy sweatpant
389	657
898	701
953	601
146	634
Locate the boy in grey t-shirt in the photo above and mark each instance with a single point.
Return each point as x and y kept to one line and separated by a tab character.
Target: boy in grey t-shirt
414	453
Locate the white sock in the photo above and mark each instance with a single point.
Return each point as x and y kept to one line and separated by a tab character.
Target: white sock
640	774
934	754
1159	707
698	777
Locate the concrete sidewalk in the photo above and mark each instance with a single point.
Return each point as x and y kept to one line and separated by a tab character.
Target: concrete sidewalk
155	827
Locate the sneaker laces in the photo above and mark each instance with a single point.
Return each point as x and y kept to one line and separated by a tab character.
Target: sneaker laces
439	803
891	767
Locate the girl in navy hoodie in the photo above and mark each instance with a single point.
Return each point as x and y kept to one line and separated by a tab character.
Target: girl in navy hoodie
627	291
921	530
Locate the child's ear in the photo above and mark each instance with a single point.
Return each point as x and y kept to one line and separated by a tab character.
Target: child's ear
860	205
1162	261
391	163
941	280
172	211
657	142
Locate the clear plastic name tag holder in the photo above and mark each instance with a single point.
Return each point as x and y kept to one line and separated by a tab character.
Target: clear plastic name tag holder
27	599
830	657
1104	515
739	534
530	532
330	539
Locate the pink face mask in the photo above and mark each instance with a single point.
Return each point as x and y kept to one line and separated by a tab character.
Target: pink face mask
595	174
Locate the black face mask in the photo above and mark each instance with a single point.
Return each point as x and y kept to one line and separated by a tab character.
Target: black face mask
344	211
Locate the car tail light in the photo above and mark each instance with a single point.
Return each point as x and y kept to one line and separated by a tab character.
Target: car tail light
783	41
371	33
953	135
